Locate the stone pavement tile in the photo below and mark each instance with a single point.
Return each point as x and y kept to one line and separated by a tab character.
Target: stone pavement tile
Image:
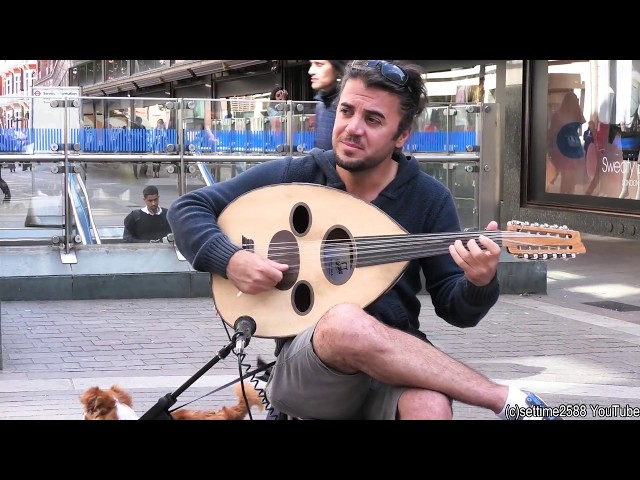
53	350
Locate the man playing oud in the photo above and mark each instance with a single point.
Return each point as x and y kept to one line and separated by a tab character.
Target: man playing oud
371	363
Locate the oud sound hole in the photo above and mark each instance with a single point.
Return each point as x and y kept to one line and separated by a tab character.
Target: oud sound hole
284	249
337	256
302	298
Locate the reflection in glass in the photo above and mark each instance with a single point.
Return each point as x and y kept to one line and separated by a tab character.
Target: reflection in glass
592	143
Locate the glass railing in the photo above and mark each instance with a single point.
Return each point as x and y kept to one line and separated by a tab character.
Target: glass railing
102	152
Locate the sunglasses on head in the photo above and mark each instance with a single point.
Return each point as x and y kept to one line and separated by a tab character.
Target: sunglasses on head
390	71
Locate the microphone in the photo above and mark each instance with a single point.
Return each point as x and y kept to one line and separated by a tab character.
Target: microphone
245	327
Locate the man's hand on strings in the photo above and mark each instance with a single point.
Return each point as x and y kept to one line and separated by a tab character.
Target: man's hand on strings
479	258
251	273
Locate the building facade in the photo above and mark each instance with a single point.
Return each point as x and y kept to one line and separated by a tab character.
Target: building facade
17	78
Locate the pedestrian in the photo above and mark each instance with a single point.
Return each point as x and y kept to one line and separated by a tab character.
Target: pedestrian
4	187
588	136
369	362
160	144
325	78
277	97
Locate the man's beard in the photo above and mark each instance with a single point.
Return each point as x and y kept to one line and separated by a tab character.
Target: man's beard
360	165
357	166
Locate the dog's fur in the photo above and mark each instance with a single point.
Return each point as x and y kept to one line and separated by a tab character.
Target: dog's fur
116	403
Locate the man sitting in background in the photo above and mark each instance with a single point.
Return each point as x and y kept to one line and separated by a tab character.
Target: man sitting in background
148	224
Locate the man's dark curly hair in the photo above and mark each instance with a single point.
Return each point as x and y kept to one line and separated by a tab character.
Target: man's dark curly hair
412	95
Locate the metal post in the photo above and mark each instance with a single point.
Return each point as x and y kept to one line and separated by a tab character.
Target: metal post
65	200
289	134
182	184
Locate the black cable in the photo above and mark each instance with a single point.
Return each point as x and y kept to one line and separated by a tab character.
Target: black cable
240	374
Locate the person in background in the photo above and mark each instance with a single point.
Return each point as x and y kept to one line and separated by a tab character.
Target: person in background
587	136
592	156
564	146
630	145
435	121
139	168
147	224
160	144
278	95
369	362
325	81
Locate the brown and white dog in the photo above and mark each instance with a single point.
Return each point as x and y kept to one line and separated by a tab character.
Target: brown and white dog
116	403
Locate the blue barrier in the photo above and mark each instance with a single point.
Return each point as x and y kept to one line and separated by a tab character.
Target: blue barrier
16	139
232	141
440	141
116	140
303	141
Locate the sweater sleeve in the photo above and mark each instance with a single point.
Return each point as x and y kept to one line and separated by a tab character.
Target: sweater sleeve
129	234
455	299
193	217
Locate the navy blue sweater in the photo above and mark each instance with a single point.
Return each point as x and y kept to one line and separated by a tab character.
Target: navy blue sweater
325	118
417	201
140	227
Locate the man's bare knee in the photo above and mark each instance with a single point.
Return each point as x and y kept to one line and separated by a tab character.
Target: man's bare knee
343	325
342	335
419	404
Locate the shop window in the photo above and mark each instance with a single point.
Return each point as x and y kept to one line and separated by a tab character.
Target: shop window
117	69
146	65
586	136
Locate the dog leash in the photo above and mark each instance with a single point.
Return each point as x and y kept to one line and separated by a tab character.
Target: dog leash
251	373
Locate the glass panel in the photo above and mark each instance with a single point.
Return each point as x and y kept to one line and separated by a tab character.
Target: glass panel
117	69
463	85
89	79
593	131
129	125
445	128
82	75
146	65
35	210
115	189
73	76
461	179
98	71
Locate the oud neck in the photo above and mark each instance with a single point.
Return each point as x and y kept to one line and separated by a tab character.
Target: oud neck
378	250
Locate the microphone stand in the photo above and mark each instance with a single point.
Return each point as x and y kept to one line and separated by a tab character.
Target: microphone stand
245	327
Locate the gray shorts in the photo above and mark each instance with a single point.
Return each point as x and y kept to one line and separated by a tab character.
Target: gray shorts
304	387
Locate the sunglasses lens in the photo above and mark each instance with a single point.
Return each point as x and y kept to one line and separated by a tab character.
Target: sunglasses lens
391	72
394	73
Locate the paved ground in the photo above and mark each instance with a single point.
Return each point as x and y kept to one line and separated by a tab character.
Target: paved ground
585	357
